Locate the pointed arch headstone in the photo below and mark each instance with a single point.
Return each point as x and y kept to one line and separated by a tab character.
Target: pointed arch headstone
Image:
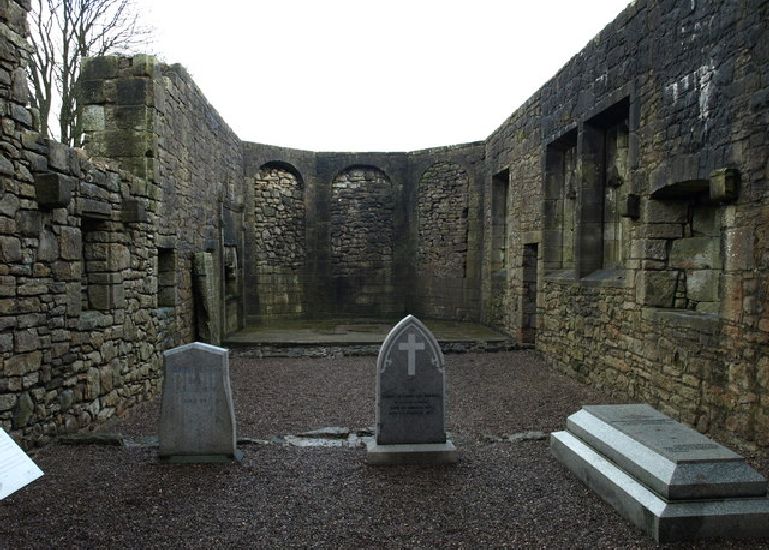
411	399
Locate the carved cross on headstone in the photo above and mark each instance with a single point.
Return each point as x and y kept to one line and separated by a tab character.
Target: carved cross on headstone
412	347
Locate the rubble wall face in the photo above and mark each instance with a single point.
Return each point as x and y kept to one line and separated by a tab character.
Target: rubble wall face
78	324
653	284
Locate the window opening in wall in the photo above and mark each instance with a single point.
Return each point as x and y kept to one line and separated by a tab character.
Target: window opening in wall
88	257
231	271
605	174
560	203
166	277
500	184
529	306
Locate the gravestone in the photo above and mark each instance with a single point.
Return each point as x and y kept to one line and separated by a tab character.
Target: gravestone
197	417
668	479
410	399
16	468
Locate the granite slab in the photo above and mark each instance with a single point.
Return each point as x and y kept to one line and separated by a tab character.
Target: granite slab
673	460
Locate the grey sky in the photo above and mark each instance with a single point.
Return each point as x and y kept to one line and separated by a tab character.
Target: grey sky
359	75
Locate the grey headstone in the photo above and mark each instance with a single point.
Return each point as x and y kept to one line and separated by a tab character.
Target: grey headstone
666	478
197	417
410	398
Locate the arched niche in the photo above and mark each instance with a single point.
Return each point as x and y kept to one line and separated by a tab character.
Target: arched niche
279	239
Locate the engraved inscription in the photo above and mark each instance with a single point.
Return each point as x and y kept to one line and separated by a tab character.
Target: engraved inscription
687	448
642	420
410	405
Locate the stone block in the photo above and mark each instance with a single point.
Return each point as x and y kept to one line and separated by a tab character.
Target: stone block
93	118
696	253
661	231
10	249
58	156
724	185
143	65
26	340
128	143
706	221
631	207
738	249
23	363
7	402
649	250
71	243
656	288
664	212
104	67
23	411
702	285
134	211
119	257
94	209
9	205
92	92
135	91
53	190
104	297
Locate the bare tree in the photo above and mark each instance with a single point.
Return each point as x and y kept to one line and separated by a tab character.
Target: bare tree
61	33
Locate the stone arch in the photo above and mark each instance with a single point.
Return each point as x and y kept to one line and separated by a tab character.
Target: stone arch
279	238
442	220
284	166
362	239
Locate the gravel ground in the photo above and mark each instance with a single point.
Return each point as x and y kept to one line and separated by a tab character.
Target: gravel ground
500	494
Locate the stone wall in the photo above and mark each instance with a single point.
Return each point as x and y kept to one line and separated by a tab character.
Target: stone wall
78	324
152	120
651	279
442	221
361	234
362	240
447	230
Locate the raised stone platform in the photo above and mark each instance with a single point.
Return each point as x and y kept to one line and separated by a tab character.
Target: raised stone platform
329	337
669	480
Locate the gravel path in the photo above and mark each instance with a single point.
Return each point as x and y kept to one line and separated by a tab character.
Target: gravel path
500	494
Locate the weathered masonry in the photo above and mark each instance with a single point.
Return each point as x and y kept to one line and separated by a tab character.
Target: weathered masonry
618	221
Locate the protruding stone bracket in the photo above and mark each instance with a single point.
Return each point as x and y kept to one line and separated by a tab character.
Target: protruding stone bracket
724	185
53	190
134	211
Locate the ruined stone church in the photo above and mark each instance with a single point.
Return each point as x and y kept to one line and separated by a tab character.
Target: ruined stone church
618	221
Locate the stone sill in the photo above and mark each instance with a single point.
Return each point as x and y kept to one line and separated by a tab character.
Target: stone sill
610	278
701	322
563	276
